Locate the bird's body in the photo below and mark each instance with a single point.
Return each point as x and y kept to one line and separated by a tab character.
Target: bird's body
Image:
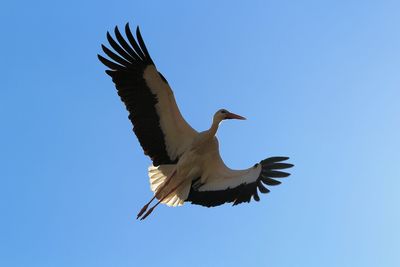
194	162
187	166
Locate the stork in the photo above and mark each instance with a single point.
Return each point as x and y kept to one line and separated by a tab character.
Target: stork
186	164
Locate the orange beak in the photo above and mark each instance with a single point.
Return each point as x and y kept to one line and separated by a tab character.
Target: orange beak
234	116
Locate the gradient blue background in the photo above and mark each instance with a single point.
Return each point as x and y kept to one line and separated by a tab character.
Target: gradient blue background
318	81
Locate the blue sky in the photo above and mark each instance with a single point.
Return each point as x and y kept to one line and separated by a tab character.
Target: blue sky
318	81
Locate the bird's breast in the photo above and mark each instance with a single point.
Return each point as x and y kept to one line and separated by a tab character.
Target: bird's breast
189	165
193	162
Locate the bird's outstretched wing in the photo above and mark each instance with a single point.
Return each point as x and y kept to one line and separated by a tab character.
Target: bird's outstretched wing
157	122
224	185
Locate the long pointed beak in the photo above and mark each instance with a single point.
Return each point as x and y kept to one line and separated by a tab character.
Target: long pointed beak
234	116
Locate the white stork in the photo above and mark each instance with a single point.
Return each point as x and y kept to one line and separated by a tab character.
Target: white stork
187	166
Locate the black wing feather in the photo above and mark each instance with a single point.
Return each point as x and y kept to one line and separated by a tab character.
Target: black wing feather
243	192
127	74
118	48
143	45
110	64
125	45
114	57
133	42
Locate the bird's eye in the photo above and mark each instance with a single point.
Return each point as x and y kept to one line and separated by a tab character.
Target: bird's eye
223	111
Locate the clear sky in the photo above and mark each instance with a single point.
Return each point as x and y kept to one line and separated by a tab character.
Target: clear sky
318	81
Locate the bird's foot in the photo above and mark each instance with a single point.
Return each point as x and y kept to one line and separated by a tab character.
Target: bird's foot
147	213
142	210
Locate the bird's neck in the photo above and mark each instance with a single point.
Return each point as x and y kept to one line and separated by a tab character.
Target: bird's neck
214	127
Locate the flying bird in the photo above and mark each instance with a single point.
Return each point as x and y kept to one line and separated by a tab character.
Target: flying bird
186	164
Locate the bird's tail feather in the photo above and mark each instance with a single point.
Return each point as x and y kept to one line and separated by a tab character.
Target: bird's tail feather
158	176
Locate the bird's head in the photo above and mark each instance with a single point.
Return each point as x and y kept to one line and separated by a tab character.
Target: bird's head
223	114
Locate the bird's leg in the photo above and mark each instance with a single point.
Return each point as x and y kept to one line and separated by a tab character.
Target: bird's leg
171	191
156	195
